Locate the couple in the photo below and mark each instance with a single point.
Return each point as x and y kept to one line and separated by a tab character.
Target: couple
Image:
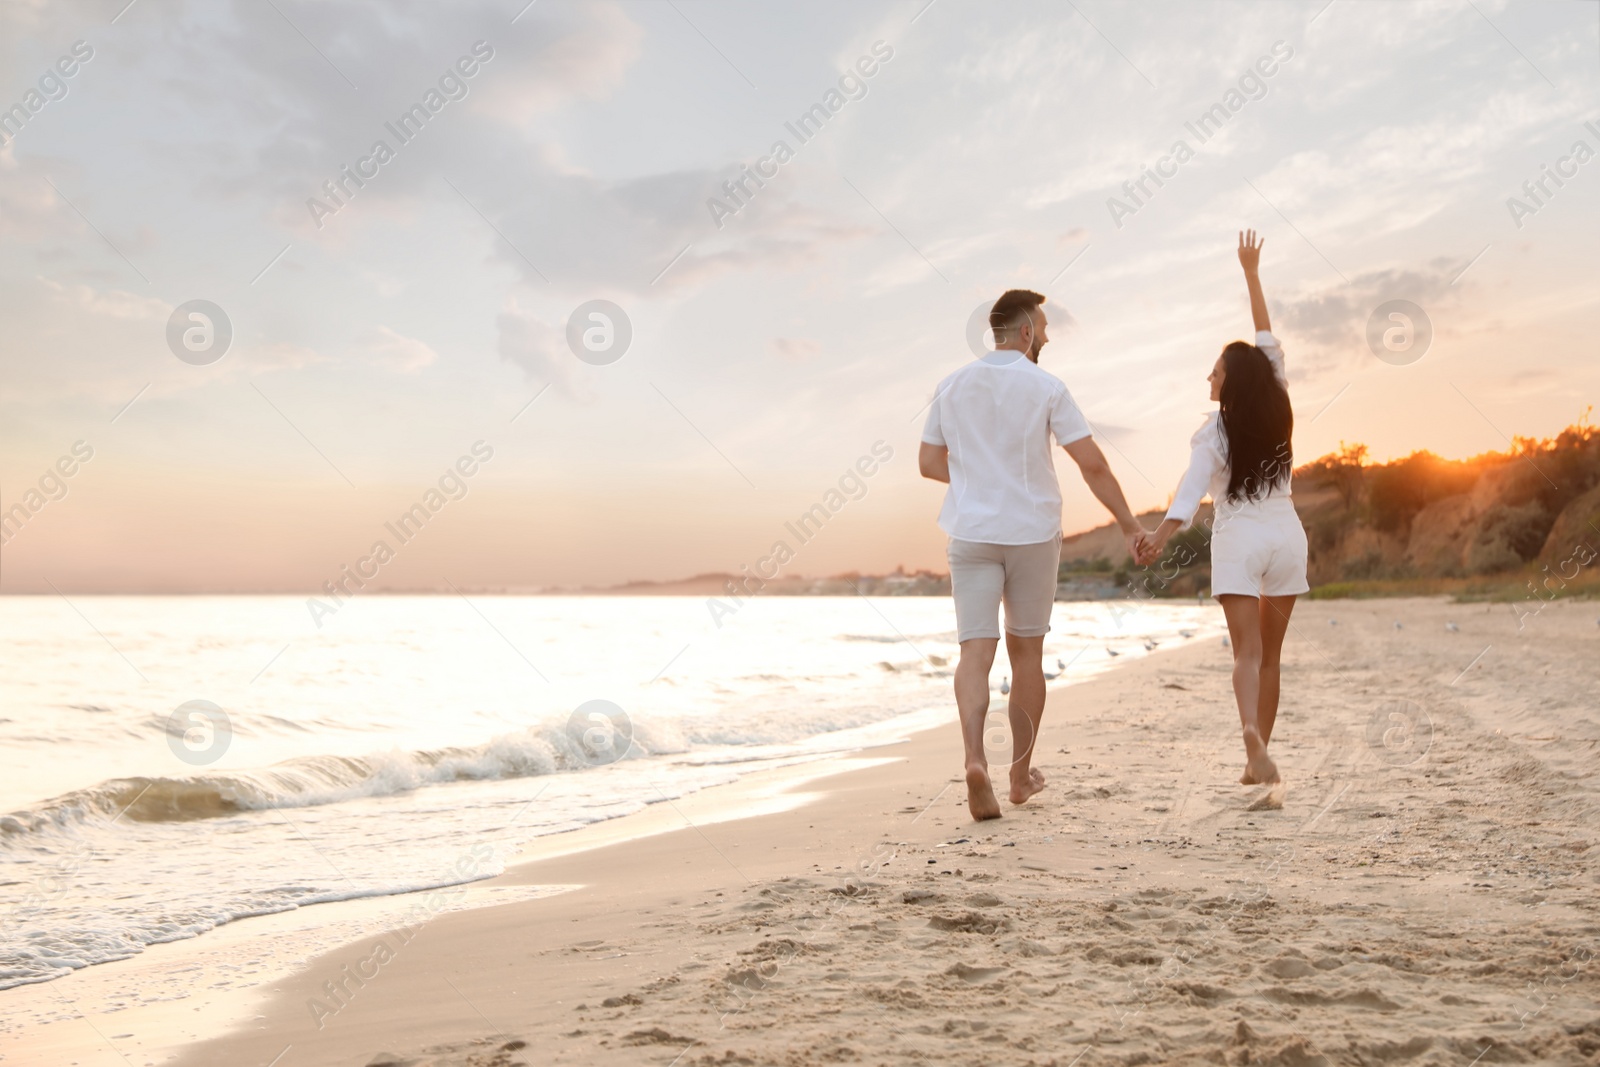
988	437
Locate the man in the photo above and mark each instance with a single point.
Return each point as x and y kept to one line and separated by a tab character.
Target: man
988	437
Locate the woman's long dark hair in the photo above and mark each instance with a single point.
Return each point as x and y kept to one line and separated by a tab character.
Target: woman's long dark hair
1257	424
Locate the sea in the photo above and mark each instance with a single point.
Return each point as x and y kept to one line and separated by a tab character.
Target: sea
170	765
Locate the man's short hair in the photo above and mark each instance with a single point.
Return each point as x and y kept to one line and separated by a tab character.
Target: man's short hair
1012	307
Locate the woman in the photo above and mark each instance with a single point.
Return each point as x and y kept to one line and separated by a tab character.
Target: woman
1242	458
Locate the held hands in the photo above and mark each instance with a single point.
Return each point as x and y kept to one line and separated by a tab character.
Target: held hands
1146	546
1143	546
1250	250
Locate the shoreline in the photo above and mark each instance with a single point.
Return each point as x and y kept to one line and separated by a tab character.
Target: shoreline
1076	586
863	916
338	926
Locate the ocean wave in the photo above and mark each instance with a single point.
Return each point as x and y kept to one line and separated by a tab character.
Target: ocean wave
548	747
310	781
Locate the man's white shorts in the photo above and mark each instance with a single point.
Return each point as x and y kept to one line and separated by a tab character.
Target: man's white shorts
1023	577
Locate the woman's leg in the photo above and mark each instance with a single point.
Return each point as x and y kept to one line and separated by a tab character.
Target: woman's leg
1244	631
1275	611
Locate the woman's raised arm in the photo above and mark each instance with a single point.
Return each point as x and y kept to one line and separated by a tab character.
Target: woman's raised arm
1250	260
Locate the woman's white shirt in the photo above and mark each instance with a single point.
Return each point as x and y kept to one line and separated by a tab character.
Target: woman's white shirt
1208	471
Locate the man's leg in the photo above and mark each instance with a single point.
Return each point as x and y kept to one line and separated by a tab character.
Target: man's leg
977	577
1030	595
1027	712
972	701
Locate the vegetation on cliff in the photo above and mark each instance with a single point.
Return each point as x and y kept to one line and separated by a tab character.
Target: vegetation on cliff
1487	525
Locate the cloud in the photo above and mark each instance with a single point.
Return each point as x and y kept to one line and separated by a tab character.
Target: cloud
1335	320
1059	317
30	211
105	344
586	55
274	355
1533	382
84	300
393	351
29	12
651	235
797	349
1339	315
1116	435
537	347
297	121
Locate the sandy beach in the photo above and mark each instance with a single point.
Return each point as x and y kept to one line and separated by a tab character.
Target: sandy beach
1422	889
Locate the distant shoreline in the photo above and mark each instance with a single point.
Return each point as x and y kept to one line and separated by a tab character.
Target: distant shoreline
1075	586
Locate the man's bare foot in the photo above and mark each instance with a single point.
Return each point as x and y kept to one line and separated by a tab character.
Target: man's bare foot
1022	789
981	800
1258	766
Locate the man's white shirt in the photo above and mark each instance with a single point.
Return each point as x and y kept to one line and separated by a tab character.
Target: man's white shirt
997	416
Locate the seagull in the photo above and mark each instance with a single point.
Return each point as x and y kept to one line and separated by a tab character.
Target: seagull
1333	622
1226	643
1060	668
1186	634
1452	627
1397	625
1111	651
1149	645
1005	686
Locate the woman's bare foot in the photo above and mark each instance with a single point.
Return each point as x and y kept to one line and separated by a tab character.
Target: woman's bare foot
1022	789
1257	764
981	800
1247	778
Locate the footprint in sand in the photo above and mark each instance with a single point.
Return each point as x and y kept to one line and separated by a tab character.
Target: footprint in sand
500	1056
971	923
1289	967
655	1036
975	975
1271	800
1028	947
756	905
754	979
1371	999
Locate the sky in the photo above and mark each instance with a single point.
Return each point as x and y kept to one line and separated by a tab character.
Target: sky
384	339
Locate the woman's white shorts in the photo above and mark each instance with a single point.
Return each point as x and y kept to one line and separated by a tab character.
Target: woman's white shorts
1258	549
